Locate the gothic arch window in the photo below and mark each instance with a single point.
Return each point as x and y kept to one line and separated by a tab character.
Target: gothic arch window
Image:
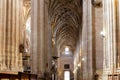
28	26
28	33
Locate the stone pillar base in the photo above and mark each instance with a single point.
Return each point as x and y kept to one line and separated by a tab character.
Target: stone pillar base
3	67
9	72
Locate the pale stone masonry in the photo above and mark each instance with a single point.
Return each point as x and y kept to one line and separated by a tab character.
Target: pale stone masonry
10	23
89	28
38	38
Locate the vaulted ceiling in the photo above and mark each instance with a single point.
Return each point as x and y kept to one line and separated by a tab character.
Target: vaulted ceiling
65	17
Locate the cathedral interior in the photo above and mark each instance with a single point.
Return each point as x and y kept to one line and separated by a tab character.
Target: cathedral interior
59	39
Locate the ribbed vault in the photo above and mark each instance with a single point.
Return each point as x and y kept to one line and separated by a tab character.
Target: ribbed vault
65	17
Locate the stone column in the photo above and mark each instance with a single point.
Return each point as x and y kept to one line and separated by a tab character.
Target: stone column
38	37
109	40
97	28
10	24
88	38
2	31
34	36
118	32
19	26
109	27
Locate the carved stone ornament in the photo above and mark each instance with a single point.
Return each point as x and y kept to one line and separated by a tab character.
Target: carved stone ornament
21	48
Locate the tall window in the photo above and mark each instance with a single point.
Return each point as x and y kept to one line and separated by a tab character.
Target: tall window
66	75
28	26
27	34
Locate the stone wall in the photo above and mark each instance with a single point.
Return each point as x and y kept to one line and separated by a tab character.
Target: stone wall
65	59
